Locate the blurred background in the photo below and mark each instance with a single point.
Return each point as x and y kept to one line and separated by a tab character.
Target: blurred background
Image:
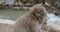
10	10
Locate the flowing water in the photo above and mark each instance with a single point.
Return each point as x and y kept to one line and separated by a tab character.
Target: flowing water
52	18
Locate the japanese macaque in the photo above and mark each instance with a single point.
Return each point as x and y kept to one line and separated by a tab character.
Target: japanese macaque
32	21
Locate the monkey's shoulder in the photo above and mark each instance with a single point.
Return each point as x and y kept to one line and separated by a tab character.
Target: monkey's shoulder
23	19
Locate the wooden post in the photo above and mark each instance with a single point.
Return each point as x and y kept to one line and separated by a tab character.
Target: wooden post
43	1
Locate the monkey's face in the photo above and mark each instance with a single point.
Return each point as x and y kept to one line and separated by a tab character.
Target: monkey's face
38	13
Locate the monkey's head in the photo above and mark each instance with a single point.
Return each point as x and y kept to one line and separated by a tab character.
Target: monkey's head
38	12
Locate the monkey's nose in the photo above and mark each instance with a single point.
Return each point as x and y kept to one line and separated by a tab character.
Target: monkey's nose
38	14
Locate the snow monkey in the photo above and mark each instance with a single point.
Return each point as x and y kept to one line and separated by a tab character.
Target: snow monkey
32	21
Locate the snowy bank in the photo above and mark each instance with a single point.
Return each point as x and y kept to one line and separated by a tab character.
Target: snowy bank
6	21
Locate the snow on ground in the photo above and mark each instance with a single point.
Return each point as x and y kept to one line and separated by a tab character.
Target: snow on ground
6	21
